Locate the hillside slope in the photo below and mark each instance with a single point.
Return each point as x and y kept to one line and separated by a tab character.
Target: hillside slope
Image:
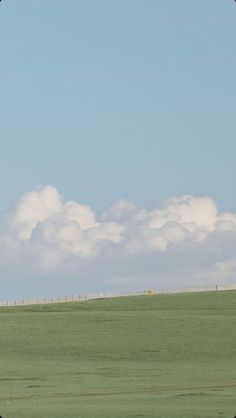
138	357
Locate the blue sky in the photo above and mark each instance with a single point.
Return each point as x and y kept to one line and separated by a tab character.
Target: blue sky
118	99
108	100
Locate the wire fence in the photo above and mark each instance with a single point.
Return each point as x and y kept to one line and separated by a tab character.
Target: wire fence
84	297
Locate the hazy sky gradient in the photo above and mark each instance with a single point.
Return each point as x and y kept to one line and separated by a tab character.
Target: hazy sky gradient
118	99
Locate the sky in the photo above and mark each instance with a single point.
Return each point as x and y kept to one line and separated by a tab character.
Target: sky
117	154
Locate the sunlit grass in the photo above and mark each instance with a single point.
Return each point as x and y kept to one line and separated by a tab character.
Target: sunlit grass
147	356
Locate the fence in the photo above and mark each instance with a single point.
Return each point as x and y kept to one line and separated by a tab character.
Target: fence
84	297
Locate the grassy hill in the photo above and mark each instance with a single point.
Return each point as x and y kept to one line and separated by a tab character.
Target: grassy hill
157	356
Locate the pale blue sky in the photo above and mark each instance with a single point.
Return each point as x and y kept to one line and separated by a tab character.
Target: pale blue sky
102	100
113	99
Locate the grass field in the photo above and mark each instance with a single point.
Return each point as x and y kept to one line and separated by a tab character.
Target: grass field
157	356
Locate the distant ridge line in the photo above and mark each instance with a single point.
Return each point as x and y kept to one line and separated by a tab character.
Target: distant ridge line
84	297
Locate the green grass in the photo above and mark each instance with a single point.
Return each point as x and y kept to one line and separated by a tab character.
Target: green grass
157	356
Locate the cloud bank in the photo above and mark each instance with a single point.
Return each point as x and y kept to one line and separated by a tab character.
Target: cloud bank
185	239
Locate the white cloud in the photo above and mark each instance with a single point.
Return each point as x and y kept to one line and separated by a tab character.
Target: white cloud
120	210
185	236
227	222
33	207
181	219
